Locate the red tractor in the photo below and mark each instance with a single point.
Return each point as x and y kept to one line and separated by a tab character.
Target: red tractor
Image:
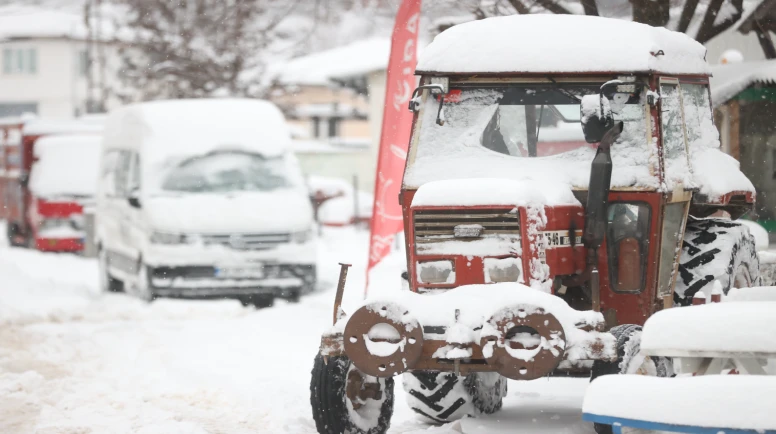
42	189
527	259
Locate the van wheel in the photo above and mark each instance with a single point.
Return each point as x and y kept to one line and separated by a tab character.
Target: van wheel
108	283
260	301
11	232
142	287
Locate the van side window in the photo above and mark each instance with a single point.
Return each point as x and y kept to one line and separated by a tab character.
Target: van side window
122	173
134	179
108	173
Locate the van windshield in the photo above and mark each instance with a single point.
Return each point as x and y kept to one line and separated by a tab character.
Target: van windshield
223	172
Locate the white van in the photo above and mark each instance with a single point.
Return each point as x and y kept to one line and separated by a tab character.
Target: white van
202	199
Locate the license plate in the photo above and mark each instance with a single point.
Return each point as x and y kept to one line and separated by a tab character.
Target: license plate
239	272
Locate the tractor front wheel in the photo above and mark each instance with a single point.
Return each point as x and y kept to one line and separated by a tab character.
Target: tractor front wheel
441	397
344	400
630	360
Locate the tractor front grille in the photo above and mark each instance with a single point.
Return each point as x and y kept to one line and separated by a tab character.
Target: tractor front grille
439	225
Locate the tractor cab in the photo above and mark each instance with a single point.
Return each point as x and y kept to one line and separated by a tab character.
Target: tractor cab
508	180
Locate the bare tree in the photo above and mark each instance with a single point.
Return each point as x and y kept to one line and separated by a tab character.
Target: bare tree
700	19
197	48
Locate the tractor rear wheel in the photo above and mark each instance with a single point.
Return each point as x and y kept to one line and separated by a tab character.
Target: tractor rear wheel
442	397
344	400
715	249
630	360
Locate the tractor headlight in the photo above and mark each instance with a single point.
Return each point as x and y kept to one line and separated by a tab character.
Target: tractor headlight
502	270
167	238
436	272
302	236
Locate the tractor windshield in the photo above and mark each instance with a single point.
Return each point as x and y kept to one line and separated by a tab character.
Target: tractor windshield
526	121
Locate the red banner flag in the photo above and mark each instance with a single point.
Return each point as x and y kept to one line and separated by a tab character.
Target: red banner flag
395	133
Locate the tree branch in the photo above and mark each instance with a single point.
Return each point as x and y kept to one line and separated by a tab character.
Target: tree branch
519	6
553	7
708	29
590	7
688	12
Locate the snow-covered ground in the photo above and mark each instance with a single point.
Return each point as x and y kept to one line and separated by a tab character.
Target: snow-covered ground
75	361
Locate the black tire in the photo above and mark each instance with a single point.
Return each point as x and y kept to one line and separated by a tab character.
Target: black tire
294	296
329	403
262	301
108	283
441	397
629	361
11	231
715	249
310	280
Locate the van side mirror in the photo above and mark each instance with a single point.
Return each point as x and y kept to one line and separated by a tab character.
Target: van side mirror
596	117
134	199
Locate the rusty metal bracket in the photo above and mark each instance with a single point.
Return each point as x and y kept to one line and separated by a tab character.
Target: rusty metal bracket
340	290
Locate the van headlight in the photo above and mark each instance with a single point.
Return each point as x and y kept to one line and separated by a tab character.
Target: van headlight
302	236
167	238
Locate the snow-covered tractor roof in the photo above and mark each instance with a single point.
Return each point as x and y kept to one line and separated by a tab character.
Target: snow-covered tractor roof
561	44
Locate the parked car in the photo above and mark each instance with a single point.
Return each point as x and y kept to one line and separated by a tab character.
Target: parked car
202	199
19	206
62	181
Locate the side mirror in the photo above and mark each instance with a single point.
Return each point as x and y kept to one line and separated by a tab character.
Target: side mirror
596	117
24	179
134	199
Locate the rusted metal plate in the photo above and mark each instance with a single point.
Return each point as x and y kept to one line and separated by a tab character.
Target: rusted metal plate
515	361
376	363
331	345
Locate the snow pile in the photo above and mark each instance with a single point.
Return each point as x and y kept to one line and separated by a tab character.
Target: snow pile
561	43
748	401
492	191
712	328
758	293
66	165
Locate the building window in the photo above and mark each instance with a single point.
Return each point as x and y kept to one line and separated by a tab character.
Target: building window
83	62
334	124
20	61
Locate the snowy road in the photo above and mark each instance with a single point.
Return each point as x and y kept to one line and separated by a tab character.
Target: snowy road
74	361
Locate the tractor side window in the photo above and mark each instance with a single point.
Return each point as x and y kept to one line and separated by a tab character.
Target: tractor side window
697	115
627	241
677	168
670	244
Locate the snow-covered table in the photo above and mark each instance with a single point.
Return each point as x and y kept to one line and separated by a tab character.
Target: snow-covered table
711	404
714	338
737	336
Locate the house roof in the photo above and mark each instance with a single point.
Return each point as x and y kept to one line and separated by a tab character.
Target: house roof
730	79
25	22
319	68
547	43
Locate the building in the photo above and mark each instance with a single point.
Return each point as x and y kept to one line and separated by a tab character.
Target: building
744	98
333	117
44	64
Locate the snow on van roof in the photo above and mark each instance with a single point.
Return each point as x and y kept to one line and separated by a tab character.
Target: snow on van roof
165	129
66	165
39	126
561	43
